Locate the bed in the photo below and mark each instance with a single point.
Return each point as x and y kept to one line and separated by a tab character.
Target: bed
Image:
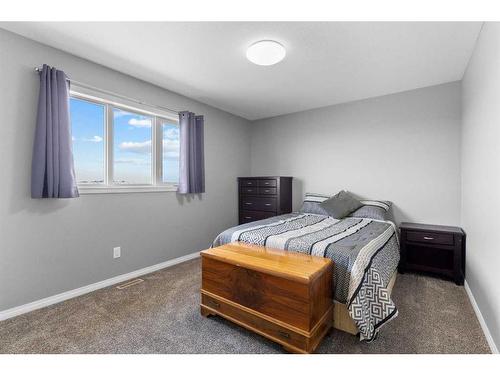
363	246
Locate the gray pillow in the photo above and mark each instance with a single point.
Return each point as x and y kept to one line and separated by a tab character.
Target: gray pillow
312	203
378	210
341	204
371	212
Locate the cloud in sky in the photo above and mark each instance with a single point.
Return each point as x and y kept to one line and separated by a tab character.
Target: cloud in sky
140	122
119	113
171	133
136	147
170	148
95	139
133	161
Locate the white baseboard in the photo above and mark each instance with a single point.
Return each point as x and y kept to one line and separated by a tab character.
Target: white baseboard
9	313
482	322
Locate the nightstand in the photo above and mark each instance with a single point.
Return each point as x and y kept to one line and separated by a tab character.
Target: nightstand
435	249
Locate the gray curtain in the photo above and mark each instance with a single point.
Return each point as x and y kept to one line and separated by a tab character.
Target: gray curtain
192	160
52	170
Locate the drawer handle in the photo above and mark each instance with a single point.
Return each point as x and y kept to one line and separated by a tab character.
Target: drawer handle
286	335
266	183
216	304
248	217
267	204
248	203
428	238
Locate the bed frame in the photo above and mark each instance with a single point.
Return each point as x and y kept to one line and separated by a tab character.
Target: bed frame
341	317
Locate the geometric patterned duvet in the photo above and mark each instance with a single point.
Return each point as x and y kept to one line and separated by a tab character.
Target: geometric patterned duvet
365	253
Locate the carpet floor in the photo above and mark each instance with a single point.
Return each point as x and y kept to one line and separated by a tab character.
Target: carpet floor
161	315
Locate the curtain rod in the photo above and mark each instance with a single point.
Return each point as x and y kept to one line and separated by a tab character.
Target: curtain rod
84	85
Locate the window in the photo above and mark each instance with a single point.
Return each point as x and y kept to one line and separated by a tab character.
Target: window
88	123
170	161
132	148
121	146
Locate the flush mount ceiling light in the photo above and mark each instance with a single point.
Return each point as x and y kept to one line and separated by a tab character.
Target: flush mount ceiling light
266	52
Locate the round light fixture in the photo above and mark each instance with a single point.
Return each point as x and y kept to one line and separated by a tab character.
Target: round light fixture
266	52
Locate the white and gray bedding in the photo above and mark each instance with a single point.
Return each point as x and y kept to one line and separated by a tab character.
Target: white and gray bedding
365	252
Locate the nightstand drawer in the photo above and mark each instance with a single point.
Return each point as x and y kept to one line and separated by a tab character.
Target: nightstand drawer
430	237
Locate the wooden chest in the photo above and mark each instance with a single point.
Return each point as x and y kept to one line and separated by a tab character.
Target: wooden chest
284	296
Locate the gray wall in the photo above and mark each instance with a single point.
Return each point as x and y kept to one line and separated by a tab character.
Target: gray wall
403	147
51	246
481	174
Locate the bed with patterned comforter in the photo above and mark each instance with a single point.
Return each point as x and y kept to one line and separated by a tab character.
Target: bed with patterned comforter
365	253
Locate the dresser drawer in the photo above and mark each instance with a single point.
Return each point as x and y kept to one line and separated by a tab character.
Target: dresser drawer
248	216
249	182
269	182
430	237
249	190
267	191
258	203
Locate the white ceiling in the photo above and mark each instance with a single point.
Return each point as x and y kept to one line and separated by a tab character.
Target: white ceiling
326	62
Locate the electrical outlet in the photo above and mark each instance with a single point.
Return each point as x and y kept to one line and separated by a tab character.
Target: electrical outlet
117	252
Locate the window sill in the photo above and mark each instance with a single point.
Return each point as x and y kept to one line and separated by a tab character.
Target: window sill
87	190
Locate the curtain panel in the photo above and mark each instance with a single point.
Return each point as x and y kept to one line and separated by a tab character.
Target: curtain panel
52	171
192	160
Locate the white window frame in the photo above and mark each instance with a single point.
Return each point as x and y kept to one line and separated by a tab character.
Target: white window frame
109	102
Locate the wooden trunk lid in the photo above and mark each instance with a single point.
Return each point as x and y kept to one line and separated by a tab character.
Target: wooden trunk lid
302	268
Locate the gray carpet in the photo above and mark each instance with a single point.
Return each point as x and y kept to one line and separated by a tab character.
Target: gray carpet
161	315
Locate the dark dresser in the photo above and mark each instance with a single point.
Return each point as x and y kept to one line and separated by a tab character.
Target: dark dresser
263	197
434	249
